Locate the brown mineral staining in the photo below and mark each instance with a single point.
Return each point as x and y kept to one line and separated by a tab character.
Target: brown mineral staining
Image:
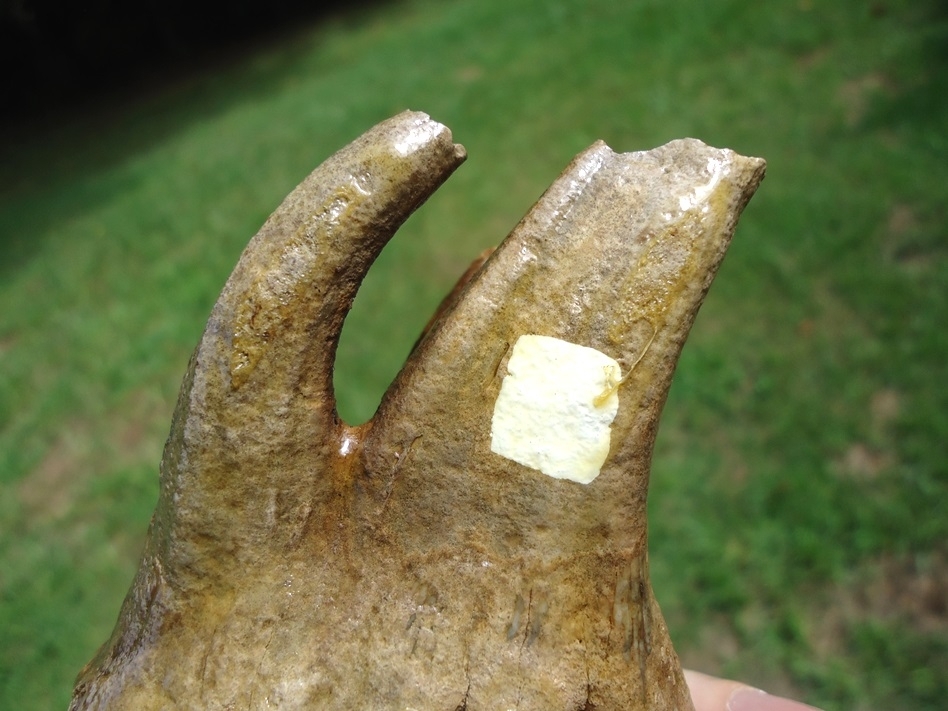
296	562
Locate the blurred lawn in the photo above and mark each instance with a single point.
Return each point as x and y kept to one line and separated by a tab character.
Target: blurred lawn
798	505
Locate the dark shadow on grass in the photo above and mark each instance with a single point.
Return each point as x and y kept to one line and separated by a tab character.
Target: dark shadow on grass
70	143
920	100
59	54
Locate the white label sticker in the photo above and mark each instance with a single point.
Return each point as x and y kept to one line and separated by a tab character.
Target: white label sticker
555	409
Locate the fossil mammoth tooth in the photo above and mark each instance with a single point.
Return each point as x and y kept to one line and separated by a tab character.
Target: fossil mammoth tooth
481	542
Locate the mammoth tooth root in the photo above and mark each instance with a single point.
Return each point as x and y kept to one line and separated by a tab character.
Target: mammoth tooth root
481	542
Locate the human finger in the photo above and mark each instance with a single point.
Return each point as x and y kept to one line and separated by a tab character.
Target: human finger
709	693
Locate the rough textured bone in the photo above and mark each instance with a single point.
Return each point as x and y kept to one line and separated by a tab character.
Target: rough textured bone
296	562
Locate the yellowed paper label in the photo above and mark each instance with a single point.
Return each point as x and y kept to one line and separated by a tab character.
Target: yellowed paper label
555	409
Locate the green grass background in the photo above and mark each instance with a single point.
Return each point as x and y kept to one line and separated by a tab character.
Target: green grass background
798	506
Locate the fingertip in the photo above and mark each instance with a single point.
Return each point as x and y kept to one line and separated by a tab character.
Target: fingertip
710	693
750	699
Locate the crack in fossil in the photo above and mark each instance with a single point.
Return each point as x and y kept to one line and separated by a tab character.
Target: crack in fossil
400	458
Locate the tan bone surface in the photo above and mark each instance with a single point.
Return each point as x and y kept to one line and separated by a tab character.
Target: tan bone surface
296	562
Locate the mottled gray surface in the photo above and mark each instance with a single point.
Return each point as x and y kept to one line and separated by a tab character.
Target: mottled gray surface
296	562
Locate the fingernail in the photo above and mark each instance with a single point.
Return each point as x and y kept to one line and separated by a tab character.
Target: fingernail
748	699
